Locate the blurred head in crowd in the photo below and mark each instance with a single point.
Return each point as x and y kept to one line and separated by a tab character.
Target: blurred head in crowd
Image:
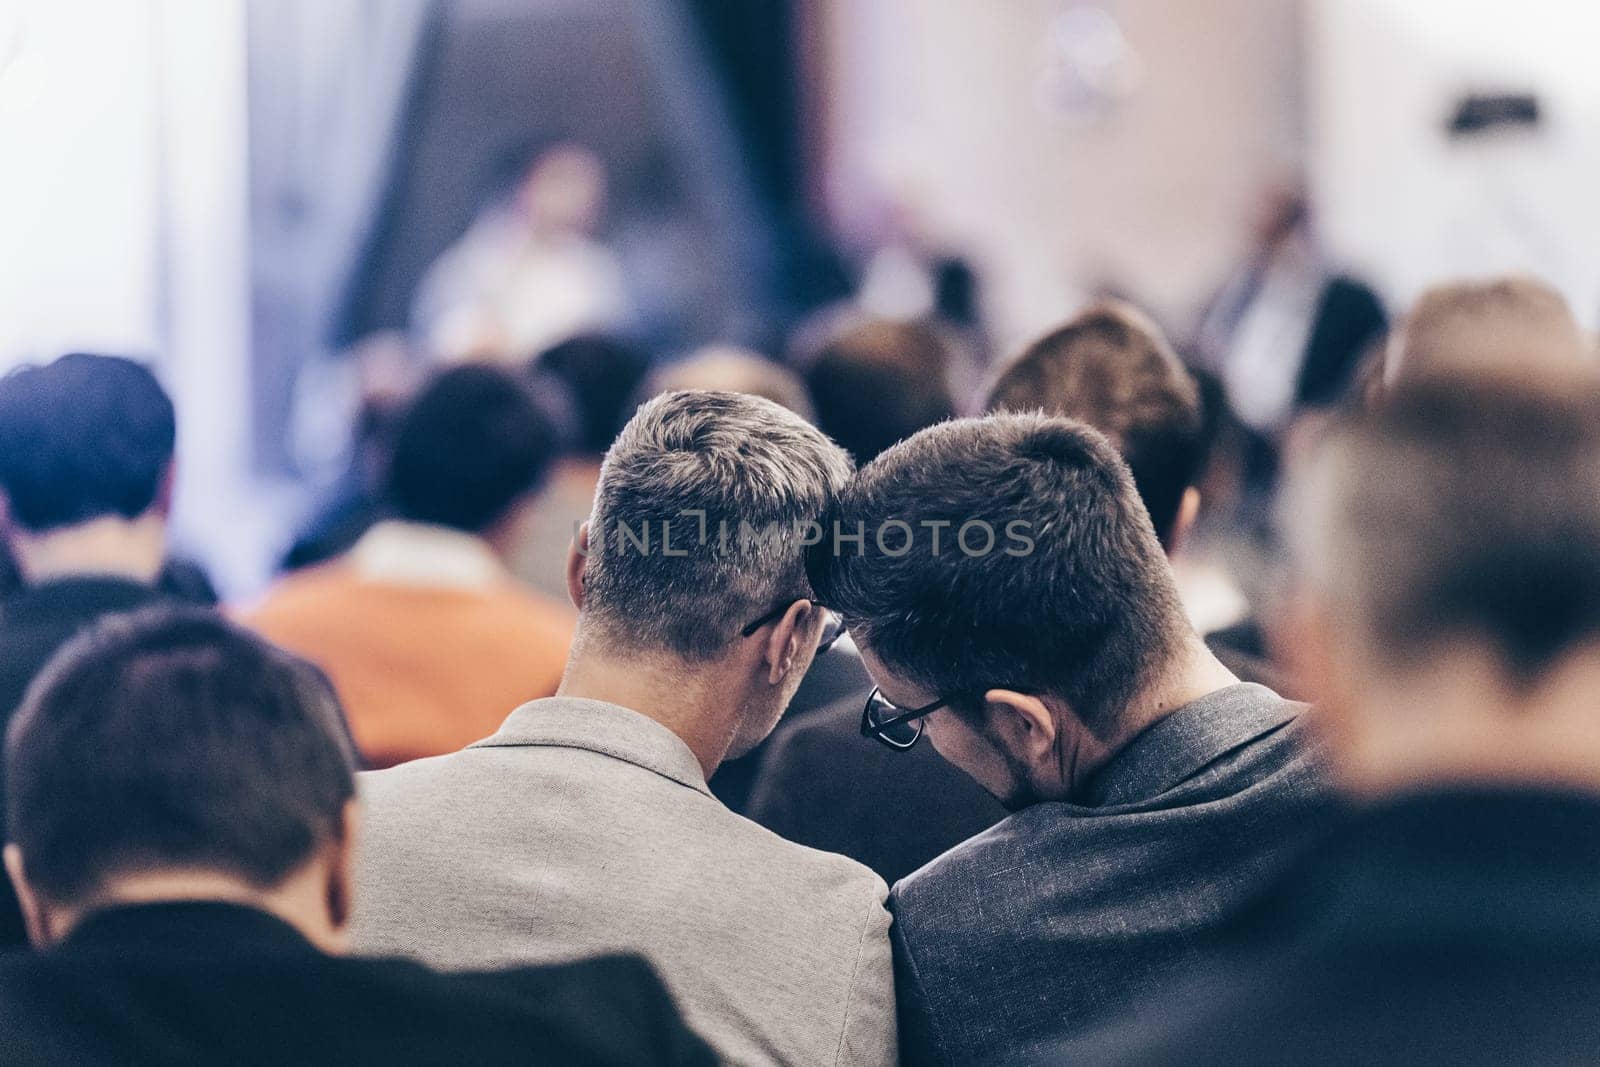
86	447
564	191
728	369
690	578
471	453
602	376
1111	368
1007	569
878	382
1447	609
172	756
1502	324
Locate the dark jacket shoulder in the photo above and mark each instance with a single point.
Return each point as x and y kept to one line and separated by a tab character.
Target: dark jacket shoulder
217	983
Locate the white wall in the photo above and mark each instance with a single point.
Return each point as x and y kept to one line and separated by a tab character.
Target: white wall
1411	205
945	96
78	178
124	228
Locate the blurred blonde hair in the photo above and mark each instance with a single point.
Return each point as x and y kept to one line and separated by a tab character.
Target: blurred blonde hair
1501	325
730	369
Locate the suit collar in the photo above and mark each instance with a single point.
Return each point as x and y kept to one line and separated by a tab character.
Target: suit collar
609	729
1181	744
188	925
420	554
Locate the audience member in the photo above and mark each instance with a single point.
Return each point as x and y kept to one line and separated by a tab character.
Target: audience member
1448	615
1008	590
181	815
585	824
421	626
86	446
529	273
1501	325
1287	331
1112	368
600	378
876	382
820	785
729	369
834	674
386	381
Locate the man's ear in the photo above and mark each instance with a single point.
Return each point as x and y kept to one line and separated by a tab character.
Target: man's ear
33	916
1183	522
1023	723
784	644
162	504
341	867
577	557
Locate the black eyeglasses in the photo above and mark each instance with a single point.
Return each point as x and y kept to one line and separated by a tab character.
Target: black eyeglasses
887	722
832	625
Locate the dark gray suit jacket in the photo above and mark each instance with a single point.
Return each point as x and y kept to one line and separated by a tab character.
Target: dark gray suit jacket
1065	914
1453	925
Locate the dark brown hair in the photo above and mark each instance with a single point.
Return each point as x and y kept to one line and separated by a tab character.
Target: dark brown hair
1111	368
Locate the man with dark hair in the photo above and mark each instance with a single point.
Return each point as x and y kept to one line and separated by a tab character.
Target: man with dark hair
1112	368
86	446
181	818
877	382
602	376
586	825
425	633
1008	591
1446	611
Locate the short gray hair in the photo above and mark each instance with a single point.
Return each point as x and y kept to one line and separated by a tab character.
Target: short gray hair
704	502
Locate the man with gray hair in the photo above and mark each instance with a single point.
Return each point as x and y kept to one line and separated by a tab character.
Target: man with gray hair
585	825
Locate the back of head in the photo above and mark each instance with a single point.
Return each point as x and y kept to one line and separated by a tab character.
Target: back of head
172	740
1457	510
1496	326
1111	368
472	445
879	382
1005	551
83	438
602	374
727	369
698	520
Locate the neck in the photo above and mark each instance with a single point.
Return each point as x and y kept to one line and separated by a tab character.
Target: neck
703	706
126	548
300	901
1194	673
1459	721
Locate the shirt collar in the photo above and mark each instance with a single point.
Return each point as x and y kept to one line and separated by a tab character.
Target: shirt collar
1185	741
415	553
95	594
609	729
197	925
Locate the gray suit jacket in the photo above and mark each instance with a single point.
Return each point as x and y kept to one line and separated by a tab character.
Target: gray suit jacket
582	828
1065	915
